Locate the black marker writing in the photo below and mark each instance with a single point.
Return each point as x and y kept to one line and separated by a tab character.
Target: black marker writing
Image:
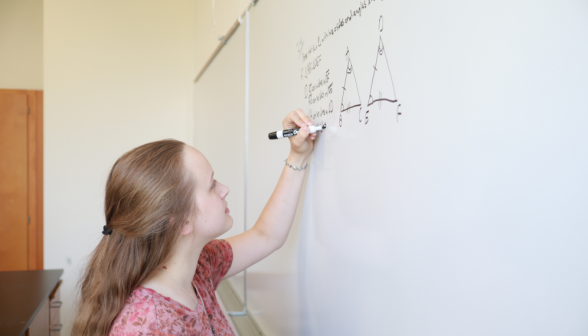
341	22
309	67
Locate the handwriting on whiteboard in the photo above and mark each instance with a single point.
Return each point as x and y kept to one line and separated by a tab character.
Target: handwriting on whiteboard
319	88
381	88
305	51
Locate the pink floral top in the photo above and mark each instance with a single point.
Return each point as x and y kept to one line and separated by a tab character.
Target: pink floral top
147	312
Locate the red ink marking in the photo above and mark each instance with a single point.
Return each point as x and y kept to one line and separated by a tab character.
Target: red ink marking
164	267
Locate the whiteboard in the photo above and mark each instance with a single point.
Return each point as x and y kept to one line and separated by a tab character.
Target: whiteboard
447	195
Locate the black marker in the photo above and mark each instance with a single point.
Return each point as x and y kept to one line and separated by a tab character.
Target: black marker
292	132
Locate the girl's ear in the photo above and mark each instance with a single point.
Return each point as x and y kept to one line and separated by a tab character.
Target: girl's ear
186	228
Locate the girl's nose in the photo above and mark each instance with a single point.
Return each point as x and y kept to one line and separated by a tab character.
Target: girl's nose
226	190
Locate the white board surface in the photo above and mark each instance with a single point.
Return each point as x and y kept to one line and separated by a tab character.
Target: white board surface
463	215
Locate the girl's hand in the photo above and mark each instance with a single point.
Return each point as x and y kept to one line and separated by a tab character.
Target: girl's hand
301	144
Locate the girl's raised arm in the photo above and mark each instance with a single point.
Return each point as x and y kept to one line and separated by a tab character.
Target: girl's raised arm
271	229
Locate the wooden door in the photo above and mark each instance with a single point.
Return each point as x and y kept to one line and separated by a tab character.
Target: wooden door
20	180
13	182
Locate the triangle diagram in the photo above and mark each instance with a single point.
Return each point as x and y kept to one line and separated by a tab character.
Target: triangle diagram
382	88
350	97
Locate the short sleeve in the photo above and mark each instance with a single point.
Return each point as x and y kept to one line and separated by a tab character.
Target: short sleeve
218	256
137	317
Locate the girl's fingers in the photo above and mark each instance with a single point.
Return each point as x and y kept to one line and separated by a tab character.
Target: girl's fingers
301	136
293	120
296	119
303	117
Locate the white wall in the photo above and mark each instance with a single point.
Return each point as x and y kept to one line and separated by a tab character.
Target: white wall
213	19
219	124
219	128
21	44
118	74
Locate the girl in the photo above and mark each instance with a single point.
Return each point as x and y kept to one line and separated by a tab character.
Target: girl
158	264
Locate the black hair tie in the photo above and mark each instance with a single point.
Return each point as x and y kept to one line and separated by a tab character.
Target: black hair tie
106	231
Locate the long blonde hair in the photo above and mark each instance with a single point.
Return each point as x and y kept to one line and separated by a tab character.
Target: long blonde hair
149	194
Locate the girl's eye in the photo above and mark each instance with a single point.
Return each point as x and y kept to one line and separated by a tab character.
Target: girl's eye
213	184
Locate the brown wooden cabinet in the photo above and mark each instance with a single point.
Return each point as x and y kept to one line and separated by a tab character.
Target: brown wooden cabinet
29	302
40	325
54	309
47	321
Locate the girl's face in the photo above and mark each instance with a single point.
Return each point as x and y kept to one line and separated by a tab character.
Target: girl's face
212	217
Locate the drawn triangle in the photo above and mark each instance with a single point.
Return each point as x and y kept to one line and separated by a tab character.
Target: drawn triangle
350	98
382	88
